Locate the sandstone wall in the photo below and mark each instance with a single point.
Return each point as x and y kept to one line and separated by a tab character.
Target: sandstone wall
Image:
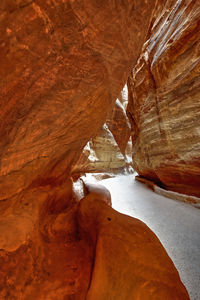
63	64
110	150
164	99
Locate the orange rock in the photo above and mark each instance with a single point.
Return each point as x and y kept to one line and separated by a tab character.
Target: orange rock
130	262
98	191
63	64
49	261
164	99
119	125
107	152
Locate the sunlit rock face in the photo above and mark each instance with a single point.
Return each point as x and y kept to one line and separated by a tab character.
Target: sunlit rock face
118	123
111	149
63	64
164	99
106	153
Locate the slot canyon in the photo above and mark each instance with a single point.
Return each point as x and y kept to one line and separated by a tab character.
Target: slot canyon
99	149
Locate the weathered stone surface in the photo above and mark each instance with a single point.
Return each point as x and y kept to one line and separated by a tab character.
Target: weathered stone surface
101	154
130	262
110	150
63	64
119	125
45	259
106	153
164	99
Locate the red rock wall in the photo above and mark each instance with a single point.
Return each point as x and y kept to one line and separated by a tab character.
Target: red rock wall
63	64
164	105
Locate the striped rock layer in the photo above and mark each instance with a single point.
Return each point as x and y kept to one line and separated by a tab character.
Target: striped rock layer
164	99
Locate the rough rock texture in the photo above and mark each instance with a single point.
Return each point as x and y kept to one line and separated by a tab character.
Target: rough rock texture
164	99
110	150
101	154
130	262
119	125
63	64
62	68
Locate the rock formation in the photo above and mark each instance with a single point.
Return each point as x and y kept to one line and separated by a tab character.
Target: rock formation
130	262
110	150
164	93
63	64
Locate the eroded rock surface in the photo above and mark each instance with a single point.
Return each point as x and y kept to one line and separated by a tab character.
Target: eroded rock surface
63	64
164	105
130	262
110	150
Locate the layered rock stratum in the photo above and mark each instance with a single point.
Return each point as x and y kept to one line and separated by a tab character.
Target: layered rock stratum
63	64
111	149
164	105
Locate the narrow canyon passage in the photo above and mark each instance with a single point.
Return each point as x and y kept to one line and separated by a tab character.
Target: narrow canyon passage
104	87
176	224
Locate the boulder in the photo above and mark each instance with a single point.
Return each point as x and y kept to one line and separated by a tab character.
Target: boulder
130	262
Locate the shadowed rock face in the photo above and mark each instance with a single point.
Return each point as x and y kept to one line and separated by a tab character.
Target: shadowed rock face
164	106
63	64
